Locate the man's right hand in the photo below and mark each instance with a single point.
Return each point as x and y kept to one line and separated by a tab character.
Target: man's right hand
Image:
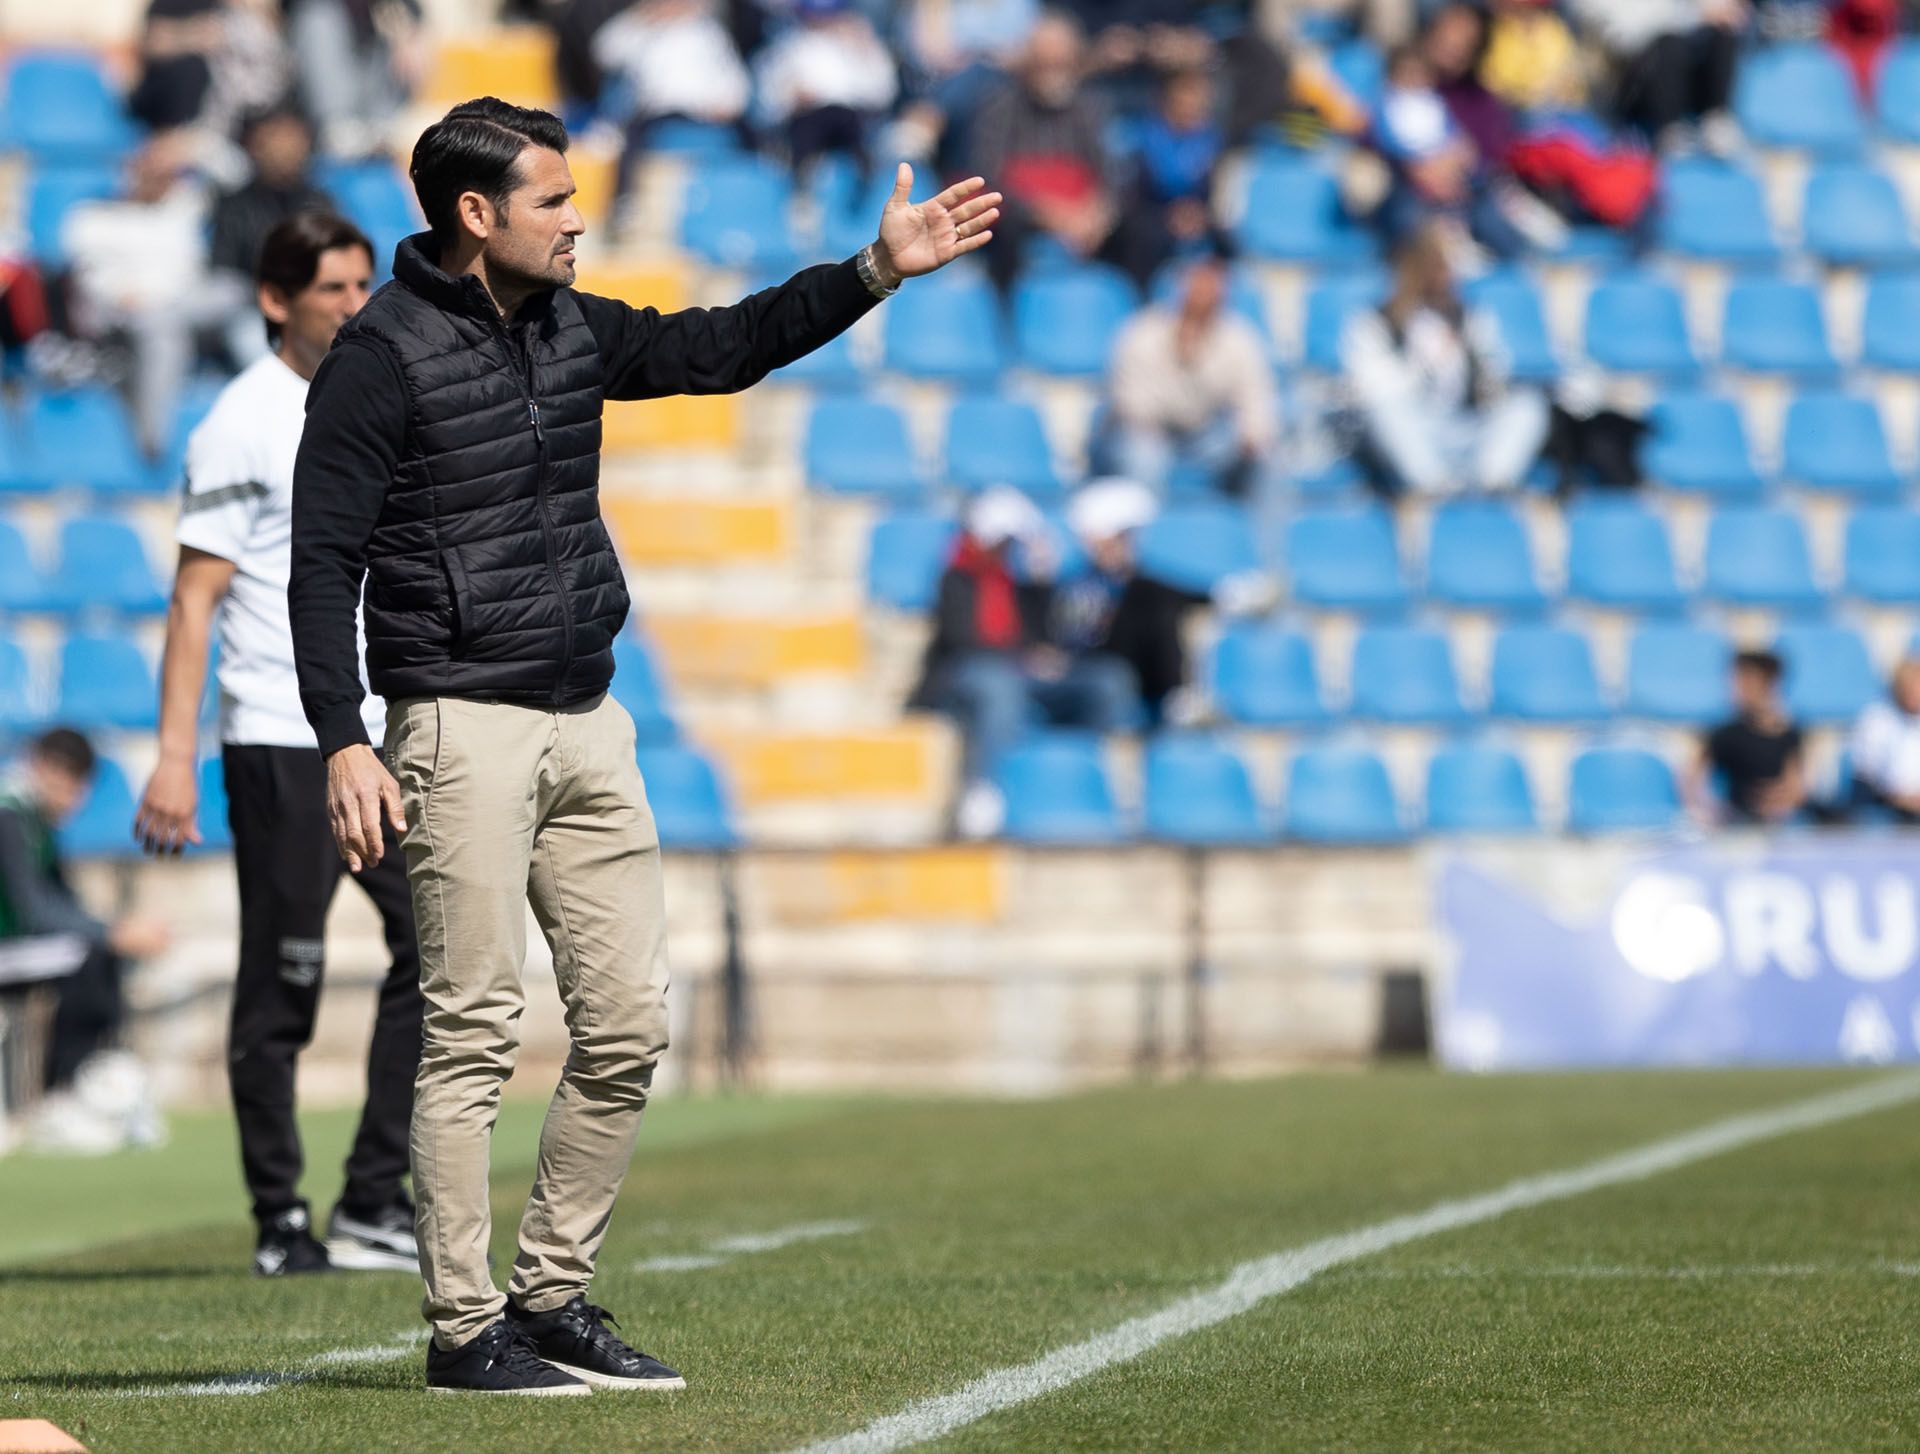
167	819
359	788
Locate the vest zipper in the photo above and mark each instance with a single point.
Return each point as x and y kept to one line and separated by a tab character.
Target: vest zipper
546	517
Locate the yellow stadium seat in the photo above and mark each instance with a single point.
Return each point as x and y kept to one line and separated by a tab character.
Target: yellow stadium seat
663	531
742	651
594	175
687	421
956	884
514	63
644	285
893	762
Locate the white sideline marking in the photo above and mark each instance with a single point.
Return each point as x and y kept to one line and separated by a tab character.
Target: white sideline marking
1579	1271
230	1384
723	1249
1254	1281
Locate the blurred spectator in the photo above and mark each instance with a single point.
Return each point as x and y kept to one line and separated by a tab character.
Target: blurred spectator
669	60
1437	167
827	81
1751	768
1532	61
1674	65
1861	31
279	146
1438	415
208	63
1886	748
989	665
1191	387
359	62
958	51
1178	147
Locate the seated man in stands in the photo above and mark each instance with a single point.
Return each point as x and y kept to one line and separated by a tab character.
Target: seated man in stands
1886	748
1751	768
990	666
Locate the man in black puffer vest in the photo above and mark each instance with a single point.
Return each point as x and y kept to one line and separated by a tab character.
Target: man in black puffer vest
451	463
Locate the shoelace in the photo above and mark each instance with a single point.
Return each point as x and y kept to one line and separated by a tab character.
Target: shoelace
516	1354
600	1325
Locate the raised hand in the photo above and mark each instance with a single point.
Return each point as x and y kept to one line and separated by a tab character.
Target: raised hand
917	237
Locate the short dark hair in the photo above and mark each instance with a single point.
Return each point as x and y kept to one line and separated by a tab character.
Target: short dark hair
476	148
290	257
66	749
1765	663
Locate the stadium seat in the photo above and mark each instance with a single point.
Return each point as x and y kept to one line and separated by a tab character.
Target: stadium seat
61	106
860	447
1712	210
735	214
1293	213
1678	673
1898	91
1545	674
1853	217
105	682
1614	789
18	713
1065	323
1798	96
637	687
833	367
216	833
1479	557
1883	556
850	212
688	801
1000	442
103	826
1757	556
949	330
379	200
905	555
1197	546
1265	676
1361	68
1057	791
54	190
1405	674
1198	791
102	564
1618	554
1329	304
1830	676
1341	795
1835	441
1635	325
1509	297
1345	559
1890	323
84	437
1699	444
1478	789
22	587
1775	327
703	141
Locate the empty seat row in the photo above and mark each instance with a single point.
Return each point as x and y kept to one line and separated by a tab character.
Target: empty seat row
1851	215
99	564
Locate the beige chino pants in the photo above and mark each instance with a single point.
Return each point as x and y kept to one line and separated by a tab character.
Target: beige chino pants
506	804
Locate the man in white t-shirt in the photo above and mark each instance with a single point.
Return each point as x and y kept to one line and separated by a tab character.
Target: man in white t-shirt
235	536
1886	748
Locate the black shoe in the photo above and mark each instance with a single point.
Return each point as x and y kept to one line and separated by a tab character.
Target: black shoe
575	1337
287	1246
499	1359
380	1242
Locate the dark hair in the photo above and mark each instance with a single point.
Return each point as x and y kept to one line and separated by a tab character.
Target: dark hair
284	109
1767	663
290	257
476	148
66	749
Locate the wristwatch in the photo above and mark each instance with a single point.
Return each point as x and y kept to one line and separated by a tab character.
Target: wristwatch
870	275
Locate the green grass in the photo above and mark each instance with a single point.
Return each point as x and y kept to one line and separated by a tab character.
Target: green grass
1766	1298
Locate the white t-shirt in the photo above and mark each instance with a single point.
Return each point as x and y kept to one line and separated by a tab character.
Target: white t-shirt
239	506
1886	749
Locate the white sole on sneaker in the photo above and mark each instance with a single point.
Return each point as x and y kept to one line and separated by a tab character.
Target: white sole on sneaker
565	1390
622	1385
353	1255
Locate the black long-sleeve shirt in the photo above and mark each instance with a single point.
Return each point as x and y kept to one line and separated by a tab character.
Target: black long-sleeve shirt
357	412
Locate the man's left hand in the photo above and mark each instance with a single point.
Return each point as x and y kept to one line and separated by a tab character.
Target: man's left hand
917	237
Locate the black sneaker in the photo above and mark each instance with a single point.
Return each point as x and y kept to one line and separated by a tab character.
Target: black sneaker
500	1359
380	1242
287	1246
575	1337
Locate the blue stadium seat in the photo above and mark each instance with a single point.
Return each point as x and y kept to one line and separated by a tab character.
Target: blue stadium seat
1853	217
1898	92
688	800
1830	677
1345	559
1618	554
993	441
1835	441
1341	795
905	555
860	447
1773	326
51	192
1057	791
1198	791
379	200
1614	789
1757	556
1330	303
1710	209
1293	213
1472	788
105	682
1265	676
84	437
1883	555
102	564
1479	557
1635	324
1798	96
103	826
850	213
704	140
637	687
948	330
1064	323
1678	673
1890	324
62	106
216	833
1699	444
18	713
734	214
1545	674
1405	674
1361	68
1509	297
832	367
1196	546
22	587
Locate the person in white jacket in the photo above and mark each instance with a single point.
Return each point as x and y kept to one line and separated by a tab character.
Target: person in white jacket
827	81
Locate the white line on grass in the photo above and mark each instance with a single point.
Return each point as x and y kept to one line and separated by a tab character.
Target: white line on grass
1255	1281
1584	1271
230	1384
724	1249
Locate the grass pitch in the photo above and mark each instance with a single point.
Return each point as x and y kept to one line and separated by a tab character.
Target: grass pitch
813	1266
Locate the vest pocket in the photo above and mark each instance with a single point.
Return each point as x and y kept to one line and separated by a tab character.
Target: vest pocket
460	594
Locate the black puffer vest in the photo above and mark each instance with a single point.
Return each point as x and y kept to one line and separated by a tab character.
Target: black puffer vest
489	572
